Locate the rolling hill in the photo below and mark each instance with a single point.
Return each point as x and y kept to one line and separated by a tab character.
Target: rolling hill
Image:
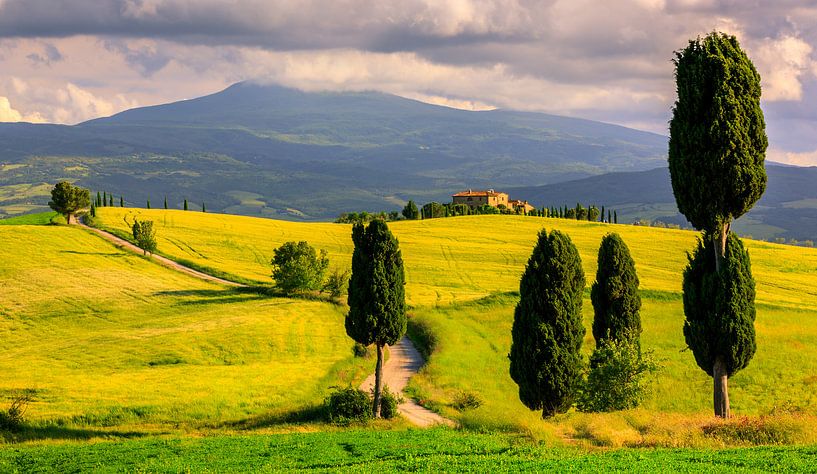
267	150
788	208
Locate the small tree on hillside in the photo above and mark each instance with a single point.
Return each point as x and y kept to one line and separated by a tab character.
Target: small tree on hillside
592	213
121	201
165	202
203	209
185	204
410	211
110	200
145	236
297	267
67	199
616	302
148	204
547	330
433	210
717	150
377	301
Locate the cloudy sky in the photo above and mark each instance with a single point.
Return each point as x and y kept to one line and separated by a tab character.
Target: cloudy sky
67	61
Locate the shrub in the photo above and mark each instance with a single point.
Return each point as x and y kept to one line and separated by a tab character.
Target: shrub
360	350
422	336
467	401
297	267
337	283
389	403
346	405
616	380
12	418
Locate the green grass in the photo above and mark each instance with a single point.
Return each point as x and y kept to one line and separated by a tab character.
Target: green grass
42	218
106	338
388	451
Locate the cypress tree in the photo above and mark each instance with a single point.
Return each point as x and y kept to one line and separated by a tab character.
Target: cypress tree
148	203
98	199
717	149
616	302
93	209
719	306
121	201
203	209
609	217
165	202
110	200
602	214
377	301
547	331
615	217
104	198
185	204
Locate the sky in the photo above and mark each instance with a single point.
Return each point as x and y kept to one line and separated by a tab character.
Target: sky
66	61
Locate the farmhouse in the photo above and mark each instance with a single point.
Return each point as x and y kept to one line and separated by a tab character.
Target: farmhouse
475	199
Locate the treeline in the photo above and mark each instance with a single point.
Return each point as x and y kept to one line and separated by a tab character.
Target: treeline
106	199
436	210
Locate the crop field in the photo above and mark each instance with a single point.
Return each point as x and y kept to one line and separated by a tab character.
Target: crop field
462	275
106	339
358	450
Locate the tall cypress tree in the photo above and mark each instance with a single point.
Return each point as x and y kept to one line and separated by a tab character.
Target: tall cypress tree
185	204
547	331
377	301
98	199
616	302
104	198
615	217
717	149
203	209
121	201
110	200
148	203
602	214
165	202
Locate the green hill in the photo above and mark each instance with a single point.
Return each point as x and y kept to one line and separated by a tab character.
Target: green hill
273	151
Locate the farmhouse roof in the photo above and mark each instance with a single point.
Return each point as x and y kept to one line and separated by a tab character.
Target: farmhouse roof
470	192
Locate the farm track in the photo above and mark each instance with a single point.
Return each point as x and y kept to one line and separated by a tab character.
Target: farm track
404	359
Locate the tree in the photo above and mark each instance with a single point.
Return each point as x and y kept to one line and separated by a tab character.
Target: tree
616	302
410	211
185	204
377	301
104	199
203	209
110	200
592	213
98	199
148	203
121	201
297	267
145	236
717	150
615	217
602	214
165	202
433	210
547	330
581	212
609	217
67	199
719	307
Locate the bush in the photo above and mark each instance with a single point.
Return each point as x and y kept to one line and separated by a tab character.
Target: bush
360	350
422	336
13	417
388	404
346	405
337	283
297	267
616	377
467	401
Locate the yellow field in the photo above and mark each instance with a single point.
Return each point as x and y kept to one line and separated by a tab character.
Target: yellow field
107	338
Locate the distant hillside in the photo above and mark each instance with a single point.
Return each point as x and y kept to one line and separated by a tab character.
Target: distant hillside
787	209
269	150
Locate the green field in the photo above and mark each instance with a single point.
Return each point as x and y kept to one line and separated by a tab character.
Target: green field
115	346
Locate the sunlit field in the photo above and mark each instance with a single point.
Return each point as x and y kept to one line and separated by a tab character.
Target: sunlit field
104	338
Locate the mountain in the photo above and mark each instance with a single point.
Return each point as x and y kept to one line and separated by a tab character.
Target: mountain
269	150
788	208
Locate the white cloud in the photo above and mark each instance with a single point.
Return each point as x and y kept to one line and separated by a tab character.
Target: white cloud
807	158
782	63
9	114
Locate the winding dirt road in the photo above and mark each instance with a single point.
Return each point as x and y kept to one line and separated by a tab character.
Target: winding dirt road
404	359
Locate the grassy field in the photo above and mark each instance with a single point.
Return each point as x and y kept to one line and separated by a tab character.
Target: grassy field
388	451
111	341
462	274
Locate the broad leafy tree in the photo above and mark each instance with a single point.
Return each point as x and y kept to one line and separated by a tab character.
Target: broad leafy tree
145	236
67	199
717	149
296	266
410	211
377	301
547	332
616	302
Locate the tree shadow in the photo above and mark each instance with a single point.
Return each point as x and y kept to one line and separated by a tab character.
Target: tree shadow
244	293
100	254
56	432
304	414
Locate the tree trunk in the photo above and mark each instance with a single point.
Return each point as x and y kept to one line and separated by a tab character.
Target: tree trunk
719	238
68	218
721	391
378	381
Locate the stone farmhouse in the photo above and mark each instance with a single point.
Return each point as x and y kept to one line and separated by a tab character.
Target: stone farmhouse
475	199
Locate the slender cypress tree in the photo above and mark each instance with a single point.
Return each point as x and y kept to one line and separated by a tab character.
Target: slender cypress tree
609	217
615	217
602	214
377	301
104	198
717	149
148	203
98	199
185	204
121	201
547	331
110	200
203	209
616	302
165	202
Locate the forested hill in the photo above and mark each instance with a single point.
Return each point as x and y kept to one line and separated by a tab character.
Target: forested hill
787	209
269	150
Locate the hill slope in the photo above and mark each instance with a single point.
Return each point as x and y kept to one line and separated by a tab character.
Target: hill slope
788	208
269	150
